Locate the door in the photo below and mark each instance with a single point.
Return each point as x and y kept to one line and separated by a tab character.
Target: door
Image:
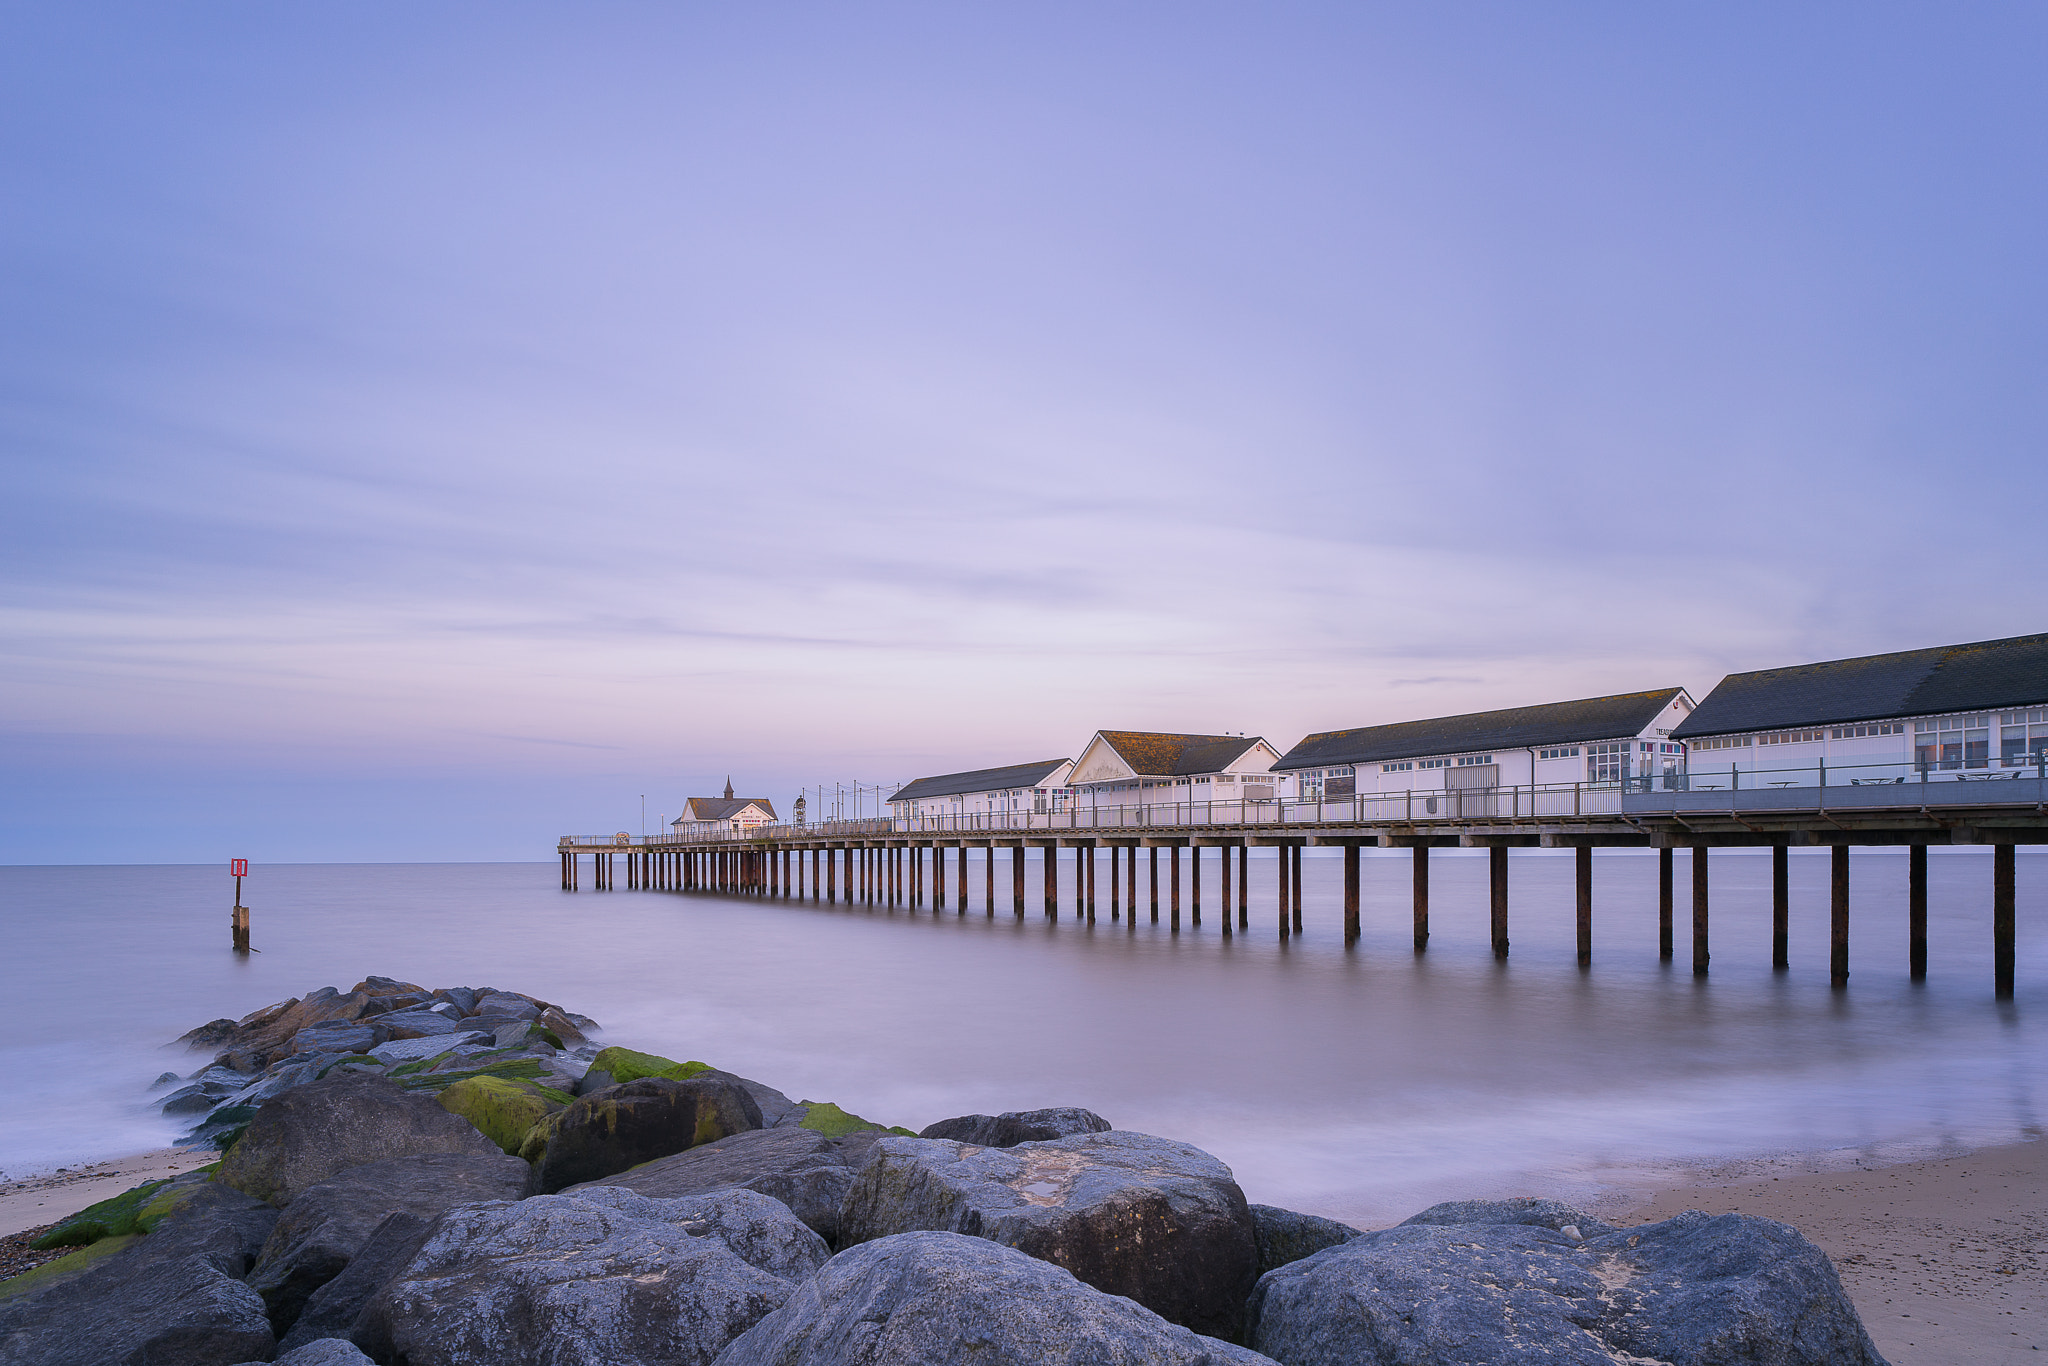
1474	789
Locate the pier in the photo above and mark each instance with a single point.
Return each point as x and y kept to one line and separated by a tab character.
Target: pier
907	861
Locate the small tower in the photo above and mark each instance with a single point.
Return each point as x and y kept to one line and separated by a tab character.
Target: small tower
728	787
797	809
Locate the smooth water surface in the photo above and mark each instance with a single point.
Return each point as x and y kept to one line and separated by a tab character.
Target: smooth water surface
1361	1083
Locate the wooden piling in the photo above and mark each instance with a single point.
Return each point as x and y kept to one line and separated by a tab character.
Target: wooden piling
1584	855
1052	882
1838	917
1294	883
1419	858
1664	899
1280	886
1195	885
1244	886
1090	853
1350	894
1223	884
1173	857
238	927
1497	869
1115	886
1699	910
2002	920
1916	911
1781	906
1154	852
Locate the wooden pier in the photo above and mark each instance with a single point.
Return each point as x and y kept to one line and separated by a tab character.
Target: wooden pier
903	862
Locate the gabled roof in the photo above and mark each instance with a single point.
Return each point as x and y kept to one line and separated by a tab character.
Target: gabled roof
1554	723
1153	754
978	780
722	808
1983	676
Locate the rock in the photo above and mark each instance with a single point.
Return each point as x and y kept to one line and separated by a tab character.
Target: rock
334	1309
171	1298
337	1036
266	1035
1694	1290
1161	1222
624	1065
604	1278
622	1126
505	1111
936	1299
508	1004
427	1046
1018	1126
595	1079
462	998
1286	1236
328	1224
418	1024
163	1079
1521	1209
387	986
511	1034
776	1109
197	1098
321	1352
822	1116
212	1034
802	1169
111	1218
310	1134
566	1034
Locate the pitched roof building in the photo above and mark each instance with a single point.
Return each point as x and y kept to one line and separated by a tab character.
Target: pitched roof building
1136	767
1036	786
727	812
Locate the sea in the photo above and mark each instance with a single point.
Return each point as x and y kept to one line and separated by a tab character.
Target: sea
1363	1082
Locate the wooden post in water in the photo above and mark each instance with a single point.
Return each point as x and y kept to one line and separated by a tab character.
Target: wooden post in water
1781	906
238	916
1419	856
1090	853
1664	899
1223	884
1116	887
1294	883
1838	917
2002	927
1173	857
1244	886
1280	886
1699	910
1350	894
1497	870
1584	854
1916	911
1154	852
1052	881
1195	885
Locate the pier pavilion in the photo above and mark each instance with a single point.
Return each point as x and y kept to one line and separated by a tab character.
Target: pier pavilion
1035	787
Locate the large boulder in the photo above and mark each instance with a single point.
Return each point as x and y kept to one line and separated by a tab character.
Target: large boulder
1695	1290
503	1108
1286	1235
1009	1129
338	1036
321	1352
803	1169
314	1131
1159	1221
936	1299
1520	1209
600	1278
334	1310
171	1298
622	1126
328	1224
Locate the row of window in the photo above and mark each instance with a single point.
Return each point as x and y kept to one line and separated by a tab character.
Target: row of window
1568	752
1881	728
1343	771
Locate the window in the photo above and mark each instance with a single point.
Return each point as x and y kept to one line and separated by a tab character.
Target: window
1472	759
1226	777
1607	763
1401	767
1790	737
1432	763
1857	732
1721	742
1570	752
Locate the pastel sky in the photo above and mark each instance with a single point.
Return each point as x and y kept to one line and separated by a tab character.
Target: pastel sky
429	428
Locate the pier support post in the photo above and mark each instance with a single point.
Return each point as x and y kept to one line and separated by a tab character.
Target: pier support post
1699	910
1089	854
1223	884
1294	883
1664	900
1154	853
1052	882
2002	927
1497	869
1280	886
1173	857
1195	885
1584	858
1419	857
1116	888
1916	911
1838	917
1244	886
1017	877
988	873
938	877
1781	906
1350	894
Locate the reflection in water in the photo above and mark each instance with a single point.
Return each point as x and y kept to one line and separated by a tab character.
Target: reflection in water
1361	1083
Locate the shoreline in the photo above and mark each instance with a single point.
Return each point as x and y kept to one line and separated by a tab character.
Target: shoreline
44	1199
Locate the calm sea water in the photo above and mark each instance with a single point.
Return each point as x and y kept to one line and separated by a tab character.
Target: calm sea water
1361	1083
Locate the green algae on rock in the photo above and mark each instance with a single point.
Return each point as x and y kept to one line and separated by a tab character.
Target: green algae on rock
67	1266
111	1218
505	1110
624	1065
824	1117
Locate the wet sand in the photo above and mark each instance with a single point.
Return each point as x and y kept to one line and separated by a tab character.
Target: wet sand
1947	1259
58	1195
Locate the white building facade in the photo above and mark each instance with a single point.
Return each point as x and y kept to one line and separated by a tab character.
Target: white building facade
986	796
1129	768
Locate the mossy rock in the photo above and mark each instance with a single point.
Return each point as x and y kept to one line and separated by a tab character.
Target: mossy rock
900	1131
833	1122
526	1070
504	1111
624	1065
113	1218
65	1267
418	1064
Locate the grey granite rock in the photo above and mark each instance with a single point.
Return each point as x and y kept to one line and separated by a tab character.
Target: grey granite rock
311	1133
1159	1221
1287	1236
1009	1129
321	1352
1521	1209
601	1278
936	1299
328	1224
609	1131
333	1311
802	1169
1690	1291
507	1004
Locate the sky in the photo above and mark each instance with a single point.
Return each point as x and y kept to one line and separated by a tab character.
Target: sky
430	429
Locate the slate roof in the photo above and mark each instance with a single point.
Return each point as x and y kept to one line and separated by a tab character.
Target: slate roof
1983	676
721	808
1554	723
977	780
1153	755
